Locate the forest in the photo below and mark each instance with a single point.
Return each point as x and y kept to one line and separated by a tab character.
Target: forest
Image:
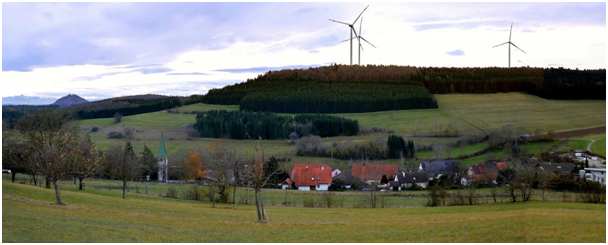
265	125
131	105
560	84
352	89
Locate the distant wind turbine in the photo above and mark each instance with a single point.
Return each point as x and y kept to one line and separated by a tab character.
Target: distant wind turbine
359	37
352	30
510	43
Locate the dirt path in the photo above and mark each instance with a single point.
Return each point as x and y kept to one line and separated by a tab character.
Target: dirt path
589	145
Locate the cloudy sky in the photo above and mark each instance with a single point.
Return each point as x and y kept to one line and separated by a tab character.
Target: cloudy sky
101	50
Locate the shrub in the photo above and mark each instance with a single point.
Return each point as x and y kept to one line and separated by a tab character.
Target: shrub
94	129
117	117
172	192
115	135
194	193
309	202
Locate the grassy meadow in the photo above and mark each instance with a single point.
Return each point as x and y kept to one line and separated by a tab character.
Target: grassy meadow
28	215
470	113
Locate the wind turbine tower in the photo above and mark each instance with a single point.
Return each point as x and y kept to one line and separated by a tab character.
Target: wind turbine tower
359	37
352	30
510	43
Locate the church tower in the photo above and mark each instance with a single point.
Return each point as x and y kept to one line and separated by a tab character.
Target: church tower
163	162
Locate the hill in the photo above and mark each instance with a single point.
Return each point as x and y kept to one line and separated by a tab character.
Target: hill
70	99
129	105
354	89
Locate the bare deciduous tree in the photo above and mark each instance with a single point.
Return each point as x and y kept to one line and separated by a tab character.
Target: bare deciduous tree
49	136
260	178
220	160
123	164
86	160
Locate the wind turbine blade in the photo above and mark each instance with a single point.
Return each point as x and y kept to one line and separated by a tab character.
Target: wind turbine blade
360	46
500	44
518	48
368	42
360	15
510	31
350	39
353	29
340	22
360	26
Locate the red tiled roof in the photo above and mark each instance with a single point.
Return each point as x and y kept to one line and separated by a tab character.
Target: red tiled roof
374	171
501	165
311	174
288	181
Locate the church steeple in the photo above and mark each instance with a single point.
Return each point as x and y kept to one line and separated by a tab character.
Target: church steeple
163	162
162	152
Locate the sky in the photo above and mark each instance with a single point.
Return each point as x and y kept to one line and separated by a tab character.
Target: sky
102	50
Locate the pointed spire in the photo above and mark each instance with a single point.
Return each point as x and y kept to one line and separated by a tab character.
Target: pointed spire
162	153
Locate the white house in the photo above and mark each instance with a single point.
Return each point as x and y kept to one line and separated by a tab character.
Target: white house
596	174
308	177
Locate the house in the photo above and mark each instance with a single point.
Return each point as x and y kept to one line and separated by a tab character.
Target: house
405	180
484	171
557	168
335	173
212	175
525	137
308	177
436	168
596	174
346	181
286	184
372	173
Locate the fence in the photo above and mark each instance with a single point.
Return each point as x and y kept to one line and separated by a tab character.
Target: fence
313	199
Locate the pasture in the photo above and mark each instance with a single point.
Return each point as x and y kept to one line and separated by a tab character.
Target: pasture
100	216
470	113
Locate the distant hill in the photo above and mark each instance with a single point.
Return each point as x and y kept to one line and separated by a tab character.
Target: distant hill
130	105
70	99
27	100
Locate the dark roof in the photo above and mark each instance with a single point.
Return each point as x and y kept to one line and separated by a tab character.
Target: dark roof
439	167
413	177
558	167
346	179
374	171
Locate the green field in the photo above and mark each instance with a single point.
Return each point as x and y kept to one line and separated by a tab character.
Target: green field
599	147
101	216
485	111
479	111
581	143
160	119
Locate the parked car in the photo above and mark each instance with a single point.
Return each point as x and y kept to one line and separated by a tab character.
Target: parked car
6	171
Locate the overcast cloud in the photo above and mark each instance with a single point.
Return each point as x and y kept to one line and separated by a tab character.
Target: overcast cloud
100	50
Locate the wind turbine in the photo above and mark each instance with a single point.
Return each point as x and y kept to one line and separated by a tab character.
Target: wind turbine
510	43
352	30
359	37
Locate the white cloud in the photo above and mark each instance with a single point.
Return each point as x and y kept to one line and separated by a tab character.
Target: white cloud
390	27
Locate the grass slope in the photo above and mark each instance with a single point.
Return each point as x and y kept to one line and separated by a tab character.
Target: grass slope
94	216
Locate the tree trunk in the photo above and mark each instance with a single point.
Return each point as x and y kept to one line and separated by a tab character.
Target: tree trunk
124	189
34	178
257	205
234	194
13	173
80	183
48	183
57	192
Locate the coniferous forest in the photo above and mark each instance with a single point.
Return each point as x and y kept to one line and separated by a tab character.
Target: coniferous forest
348	89
265	125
